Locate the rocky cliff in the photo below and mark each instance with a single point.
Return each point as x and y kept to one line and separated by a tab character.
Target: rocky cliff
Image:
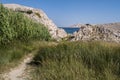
40	17
102	32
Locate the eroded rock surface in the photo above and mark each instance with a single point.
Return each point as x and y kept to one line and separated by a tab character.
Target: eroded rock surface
106	32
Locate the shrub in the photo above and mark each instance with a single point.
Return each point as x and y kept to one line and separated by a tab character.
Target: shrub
29	12
16	26
38	15
22	11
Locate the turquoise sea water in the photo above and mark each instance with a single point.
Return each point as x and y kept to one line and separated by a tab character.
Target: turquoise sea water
70	30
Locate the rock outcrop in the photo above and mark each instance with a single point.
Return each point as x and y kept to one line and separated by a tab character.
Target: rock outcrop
40	17
105	32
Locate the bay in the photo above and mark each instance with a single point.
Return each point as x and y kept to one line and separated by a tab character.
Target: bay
70	30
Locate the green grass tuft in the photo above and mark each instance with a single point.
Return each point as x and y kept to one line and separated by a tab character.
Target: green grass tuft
16	34
16	26
78	61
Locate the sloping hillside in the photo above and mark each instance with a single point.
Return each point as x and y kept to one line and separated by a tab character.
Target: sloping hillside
40	17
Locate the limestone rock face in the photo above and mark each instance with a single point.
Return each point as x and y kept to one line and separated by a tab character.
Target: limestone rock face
98	32
40	17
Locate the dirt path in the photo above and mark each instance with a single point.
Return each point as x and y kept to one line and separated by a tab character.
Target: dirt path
18	73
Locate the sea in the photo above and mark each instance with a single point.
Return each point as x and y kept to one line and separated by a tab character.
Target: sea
70	30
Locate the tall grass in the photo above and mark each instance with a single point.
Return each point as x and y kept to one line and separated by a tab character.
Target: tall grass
16	33
11	55
16	26
78	61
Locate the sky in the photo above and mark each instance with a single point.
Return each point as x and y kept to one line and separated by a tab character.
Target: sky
65	13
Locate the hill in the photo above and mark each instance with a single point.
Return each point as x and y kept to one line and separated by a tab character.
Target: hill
39	16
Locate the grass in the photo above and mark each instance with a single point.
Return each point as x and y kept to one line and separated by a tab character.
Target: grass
12	54
20	36
17	35
78	61
16	26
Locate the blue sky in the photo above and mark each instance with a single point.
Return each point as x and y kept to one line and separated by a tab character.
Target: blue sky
67	12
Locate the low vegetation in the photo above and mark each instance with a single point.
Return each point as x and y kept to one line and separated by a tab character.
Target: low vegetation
16	34
64	61
38	14
10	55
78	61
16	26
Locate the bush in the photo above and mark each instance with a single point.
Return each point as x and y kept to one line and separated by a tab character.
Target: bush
29	12
38	15
16	26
